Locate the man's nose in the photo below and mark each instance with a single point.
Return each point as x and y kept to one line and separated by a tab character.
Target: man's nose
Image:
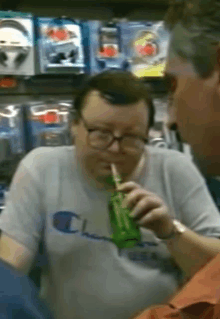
114	147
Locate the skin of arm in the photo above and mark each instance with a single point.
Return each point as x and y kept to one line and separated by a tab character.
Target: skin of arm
15	254
192	251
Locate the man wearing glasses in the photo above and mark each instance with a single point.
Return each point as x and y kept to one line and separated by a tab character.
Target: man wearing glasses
60	195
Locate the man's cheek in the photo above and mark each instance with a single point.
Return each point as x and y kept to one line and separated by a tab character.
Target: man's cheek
91	160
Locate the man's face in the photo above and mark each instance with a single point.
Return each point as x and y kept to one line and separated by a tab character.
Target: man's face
120	120
196	108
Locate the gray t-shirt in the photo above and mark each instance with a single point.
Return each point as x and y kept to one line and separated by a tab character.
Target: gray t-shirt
86	276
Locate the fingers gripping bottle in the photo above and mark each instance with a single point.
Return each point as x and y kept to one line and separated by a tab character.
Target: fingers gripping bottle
126	233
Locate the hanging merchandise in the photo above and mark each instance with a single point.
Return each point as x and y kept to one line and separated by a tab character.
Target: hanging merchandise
60	44
106	47
16	44
3	192
8	82
49	123
147	46
11	131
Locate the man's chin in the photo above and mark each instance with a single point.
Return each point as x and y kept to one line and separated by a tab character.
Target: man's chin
109	180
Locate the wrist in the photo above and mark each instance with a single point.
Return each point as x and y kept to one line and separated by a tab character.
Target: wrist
168	235
177	228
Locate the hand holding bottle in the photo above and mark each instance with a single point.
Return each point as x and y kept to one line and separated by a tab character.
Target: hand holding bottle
147	209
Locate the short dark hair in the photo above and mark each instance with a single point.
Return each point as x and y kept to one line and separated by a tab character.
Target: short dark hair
196	28
118	87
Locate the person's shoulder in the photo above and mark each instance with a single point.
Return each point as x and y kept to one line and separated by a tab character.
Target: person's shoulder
171	160
166	154
45	156
175	163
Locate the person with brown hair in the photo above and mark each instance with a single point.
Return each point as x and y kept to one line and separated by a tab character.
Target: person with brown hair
193	71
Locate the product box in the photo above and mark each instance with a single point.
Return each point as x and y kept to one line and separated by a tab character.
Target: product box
146	47
106	47
16	44
60	46
12	139
48	123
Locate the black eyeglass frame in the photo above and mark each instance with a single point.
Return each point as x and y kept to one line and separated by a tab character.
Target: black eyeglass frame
114	138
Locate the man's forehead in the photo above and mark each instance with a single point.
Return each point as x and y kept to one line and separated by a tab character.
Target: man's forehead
95	98
99	109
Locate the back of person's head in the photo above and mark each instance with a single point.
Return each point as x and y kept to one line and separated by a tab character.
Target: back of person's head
120	88
196	32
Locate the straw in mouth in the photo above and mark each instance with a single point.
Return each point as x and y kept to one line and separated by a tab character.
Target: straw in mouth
115	174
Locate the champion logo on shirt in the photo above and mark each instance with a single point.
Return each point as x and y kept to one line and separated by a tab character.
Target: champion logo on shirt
71	223
143	254
63	221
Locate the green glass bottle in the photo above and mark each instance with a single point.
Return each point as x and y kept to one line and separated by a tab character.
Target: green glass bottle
126	233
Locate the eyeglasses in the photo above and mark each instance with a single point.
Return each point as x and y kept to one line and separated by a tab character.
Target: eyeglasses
101	139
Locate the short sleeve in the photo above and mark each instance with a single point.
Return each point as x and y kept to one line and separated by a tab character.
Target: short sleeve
196	207
22	218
